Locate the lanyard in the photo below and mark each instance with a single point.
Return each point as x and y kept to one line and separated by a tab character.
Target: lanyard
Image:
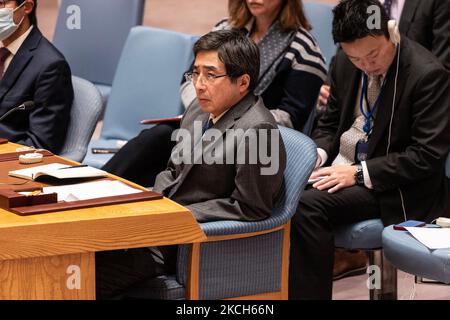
370	110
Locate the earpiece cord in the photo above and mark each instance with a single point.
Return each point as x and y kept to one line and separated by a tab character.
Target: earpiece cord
390	125
393	100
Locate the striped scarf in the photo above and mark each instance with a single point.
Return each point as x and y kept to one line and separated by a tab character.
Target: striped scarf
272	47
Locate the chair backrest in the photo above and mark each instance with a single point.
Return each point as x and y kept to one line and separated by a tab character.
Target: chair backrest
147	80
321	18
301	158
262	253
91	35
86	110
301	154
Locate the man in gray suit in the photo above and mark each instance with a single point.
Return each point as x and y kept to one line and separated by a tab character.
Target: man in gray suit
237	190
228	164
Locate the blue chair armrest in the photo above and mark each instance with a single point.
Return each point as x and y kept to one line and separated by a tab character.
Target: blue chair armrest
220	228
301	155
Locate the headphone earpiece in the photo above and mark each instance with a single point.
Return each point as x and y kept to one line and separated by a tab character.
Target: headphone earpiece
394	32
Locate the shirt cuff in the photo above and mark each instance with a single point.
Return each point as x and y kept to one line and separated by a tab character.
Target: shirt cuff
323	157
367	181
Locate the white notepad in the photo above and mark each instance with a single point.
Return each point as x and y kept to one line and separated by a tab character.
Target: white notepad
58	170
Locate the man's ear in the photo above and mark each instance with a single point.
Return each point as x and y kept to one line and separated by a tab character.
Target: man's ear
29	5
244	83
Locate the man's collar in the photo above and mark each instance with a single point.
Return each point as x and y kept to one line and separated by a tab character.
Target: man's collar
237	110
215	119
16	44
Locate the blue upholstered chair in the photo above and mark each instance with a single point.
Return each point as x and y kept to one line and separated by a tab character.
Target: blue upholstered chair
370	235
86	109
241	259
91	35
409	255
146	85
321	17
366	235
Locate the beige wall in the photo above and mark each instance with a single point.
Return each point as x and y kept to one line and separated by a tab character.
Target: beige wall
189	16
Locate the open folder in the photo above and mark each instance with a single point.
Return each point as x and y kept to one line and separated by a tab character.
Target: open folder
59	171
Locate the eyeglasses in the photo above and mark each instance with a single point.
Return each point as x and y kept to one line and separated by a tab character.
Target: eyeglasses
209	78
4	2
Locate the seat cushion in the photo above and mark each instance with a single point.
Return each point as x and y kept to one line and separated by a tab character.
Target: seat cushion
411	256
163	287
361	235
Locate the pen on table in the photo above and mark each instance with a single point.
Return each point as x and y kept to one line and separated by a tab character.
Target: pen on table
105	150
79	166
35	193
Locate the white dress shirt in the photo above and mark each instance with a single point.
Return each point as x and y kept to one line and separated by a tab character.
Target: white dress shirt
14	48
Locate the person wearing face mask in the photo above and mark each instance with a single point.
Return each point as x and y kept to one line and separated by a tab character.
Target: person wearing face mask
292	71
32	69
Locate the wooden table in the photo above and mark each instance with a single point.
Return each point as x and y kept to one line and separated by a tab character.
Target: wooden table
52	256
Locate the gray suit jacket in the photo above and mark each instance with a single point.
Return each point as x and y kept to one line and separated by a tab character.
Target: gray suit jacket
226	191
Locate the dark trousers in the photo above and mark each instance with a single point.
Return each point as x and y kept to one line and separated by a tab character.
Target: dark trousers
312	238
143	157
116	271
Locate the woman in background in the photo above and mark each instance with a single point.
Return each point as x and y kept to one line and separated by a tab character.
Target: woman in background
292	70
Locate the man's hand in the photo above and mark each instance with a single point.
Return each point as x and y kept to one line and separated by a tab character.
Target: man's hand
335	177
324	95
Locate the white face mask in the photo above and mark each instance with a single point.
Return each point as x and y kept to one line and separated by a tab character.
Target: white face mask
7	24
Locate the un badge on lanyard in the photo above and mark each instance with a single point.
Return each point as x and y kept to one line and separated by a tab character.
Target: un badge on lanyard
362	148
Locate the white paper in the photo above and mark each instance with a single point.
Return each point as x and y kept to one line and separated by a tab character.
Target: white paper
58	170
90	190
433	238
30	172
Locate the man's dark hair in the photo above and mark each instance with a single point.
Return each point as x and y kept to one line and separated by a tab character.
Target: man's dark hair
351	18
32	15
239	54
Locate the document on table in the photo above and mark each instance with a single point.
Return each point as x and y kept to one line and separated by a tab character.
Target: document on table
59	171
433	238
90	190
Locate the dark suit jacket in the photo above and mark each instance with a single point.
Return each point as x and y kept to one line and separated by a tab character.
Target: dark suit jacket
428	23
226	191
420	138
38	72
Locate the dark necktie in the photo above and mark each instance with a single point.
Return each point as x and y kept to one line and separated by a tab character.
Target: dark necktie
207	125
387	7
4	54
